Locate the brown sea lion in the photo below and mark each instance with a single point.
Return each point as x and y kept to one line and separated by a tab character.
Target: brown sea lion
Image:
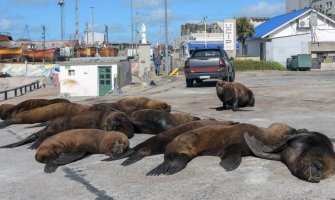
72	145
45	113
234	94
32	104
91	119
309	156
4	108
156	145
131	104
225	142
151	121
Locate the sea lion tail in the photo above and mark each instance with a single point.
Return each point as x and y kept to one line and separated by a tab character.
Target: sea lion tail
27	140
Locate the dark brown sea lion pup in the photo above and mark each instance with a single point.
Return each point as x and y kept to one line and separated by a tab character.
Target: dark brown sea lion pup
132	104
151	121
72	145
309	156
45	113
234	94
91	119
156	145
32	104
226	142
4	109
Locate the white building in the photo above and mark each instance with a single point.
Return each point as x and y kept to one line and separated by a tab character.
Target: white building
304	31
99	38
87	80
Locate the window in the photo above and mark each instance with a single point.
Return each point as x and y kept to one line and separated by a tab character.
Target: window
71	72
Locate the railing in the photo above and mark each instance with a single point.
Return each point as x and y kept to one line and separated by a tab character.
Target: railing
19	91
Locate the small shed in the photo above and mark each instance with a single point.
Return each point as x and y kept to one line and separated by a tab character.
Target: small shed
93	77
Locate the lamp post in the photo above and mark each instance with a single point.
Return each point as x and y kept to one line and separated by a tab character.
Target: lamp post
205	21
61	4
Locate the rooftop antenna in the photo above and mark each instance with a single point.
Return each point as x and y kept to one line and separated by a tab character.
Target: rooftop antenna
61	4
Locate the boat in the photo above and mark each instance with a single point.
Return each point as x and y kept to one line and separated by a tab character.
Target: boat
47	55
10	54
86	51
108	52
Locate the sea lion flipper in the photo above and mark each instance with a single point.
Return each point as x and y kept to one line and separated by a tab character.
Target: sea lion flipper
231	158
132	159
66	158
256	147
5	123
28	139
129	151
171	165
50	167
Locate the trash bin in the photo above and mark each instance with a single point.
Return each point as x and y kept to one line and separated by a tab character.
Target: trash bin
301	62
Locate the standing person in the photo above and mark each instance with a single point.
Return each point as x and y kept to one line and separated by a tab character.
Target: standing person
157	58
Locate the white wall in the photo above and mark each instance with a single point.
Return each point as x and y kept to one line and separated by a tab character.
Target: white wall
85	81
253	47
279	49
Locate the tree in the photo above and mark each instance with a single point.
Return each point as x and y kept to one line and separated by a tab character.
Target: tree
244	30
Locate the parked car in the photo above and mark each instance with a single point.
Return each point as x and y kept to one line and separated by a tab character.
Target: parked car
208	64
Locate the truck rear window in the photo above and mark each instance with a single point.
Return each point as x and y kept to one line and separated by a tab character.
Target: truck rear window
207	53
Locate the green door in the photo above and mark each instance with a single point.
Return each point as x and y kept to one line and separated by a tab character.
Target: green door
105	80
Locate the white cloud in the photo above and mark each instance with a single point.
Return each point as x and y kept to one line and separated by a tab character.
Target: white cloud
29	2
262	9
145	3
5	24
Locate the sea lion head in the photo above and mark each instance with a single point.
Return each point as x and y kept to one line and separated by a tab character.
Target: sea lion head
114	144
45	153
315	157
311	167
118	121
159	105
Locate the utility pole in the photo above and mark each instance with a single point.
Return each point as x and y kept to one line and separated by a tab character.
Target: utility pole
167	67
92	26
132	25
61	4
43	37
205	21
86	33
76	37
106	33
136	34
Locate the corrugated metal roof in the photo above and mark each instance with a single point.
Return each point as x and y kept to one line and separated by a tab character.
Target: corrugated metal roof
276	22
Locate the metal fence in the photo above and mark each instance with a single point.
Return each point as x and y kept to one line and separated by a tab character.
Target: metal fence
19	91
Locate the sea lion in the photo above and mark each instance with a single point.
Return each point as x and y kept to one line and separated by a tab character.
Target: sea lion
4	108
91	119
309	156
234	94
32	104
45	113
72	145
156	145
132	104
226	142
151	121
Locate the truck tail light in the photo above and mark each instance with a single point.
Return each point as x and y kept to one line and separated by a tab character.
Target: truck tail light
222	63
187	66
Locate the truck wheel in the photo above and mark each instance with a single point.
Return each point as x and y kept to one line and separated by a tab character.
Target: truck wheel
232	76
189	82
198	81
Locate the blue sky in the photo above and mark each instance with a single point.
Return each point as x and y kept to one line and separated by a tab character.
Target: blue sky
16	14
